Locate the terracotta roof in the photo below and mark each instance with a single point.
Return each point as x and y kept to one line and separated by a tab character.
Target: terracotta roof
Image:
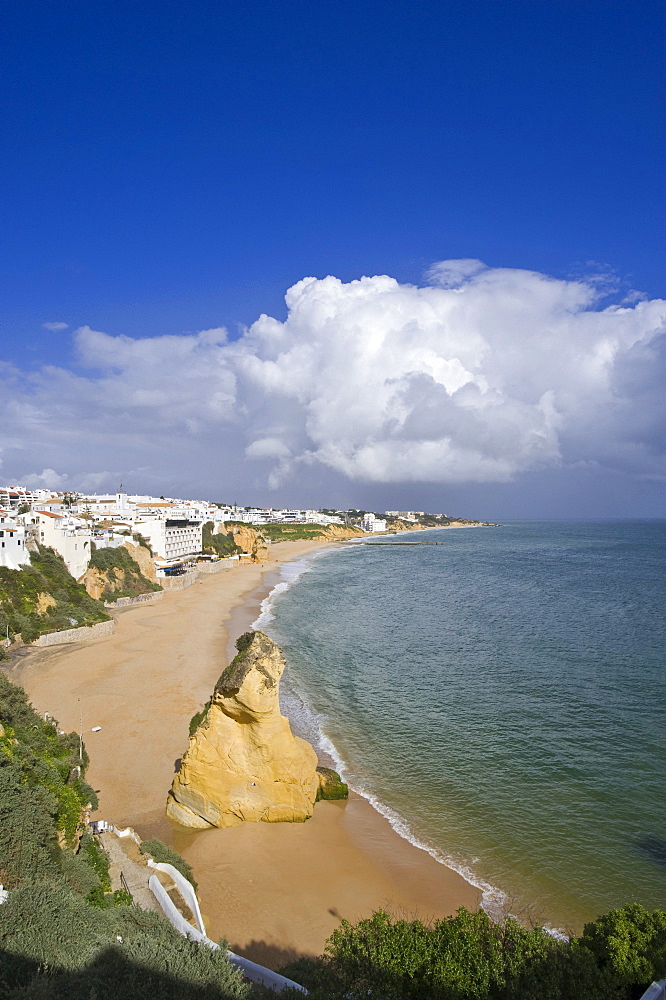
48	513
160	504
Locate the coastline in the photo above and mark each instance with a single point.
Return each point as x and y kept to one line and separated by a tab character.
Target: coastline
275	891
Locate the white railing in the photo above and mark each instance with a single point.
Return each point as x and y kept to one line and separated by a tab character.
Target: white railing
255	973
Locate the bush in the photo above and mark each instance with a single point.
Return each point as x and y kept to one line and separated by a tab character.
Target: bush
123	574
40	801
56	946
198	718
630	943
166	855
20	592
467	957
219	543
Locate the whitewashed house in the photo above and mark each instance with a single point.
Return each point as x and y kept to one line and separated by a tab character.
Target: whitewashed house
71	538
13	553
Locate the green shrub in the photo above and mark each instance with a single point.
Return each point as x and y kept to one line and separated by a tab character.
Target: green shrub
219	543
57	946
20	592
468	957
40	799
630	943
166	855
128	571
97	859
198	718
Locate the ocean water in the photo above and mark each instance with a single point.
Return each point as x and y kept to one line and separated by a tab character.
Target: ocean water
498	693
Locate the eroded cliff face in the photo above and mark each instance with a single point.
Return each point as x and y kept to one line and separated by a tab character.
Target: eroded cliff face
250	540
243	762
130	577
144	559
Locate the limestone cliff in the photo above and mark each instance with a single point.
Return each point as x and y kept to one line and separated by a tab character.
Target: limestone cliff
249	539
143	557
243	761
126	571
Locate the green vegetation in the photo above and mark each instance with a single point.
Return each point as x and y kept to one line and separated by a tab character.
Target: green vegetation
57	947
63	934
43	597
166	855
142	541
198	718
331	785
294	532
467	957
232	675
42	796
123	574
221	544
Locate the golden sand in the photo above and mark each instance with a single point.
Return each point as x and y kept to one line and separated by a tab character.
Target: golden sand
274	891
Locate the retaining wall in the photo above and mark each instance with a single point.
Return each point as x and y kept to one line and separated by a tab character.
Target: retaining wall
85	634
187	579
179	582
217	567
122	602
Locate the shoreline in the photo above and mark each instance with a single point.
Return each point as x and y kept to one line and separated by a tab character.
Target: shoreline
275	891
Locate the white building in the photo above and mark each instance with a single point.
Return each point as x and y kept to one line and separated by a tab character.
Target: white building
13	553
373	524
71	538
172	538
404	515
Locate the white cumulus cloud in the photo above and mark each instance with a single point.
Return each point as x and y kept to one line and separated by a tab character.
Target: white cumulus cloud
478	376
55	327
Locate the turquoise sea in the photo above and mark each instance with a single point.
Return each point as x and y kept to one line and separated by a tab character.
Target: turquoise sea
498	693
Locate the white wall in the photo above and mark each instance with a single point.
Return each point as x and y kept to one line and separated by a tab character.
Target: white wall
69	538
13	553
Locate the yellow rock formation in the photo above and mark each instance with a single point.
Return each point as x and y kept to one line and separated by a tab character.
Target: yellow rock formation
243	762
143	557
250	540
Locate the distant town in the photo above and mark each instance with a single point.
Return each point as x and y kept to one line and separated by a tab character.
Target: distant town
76	524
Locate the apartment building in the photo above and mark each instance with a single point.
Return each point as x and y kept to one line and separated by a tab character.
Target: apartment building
172	538
373	524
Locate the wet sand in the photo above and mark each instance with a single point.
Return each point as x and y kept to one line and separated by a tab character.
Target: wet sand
273	890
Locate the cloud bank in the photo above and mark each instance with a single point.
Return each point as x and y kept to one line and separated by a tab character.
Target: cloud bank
477	376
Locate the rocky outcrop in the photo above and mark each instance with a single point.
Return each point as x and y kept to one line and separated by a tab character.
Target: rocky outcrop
338	532
144	559
126	571
249	540
243	762
331	785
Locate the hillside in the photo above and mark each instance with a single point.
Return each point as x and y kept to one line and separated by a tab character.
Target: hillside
43	597
63	933
115	573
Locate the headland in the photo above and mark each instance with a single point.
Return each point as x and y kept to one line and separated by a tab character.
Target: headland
275	890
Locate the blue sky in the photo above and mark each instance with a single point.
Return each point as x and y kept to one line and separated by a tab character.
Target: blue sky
176	167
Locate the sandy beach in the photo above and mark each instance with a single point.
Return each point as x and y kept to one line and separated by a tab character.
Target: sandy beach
274	891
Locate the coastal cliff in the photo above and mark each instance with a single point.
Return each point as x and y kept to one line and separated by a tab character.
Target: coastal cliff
126	571
243	762
249	540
